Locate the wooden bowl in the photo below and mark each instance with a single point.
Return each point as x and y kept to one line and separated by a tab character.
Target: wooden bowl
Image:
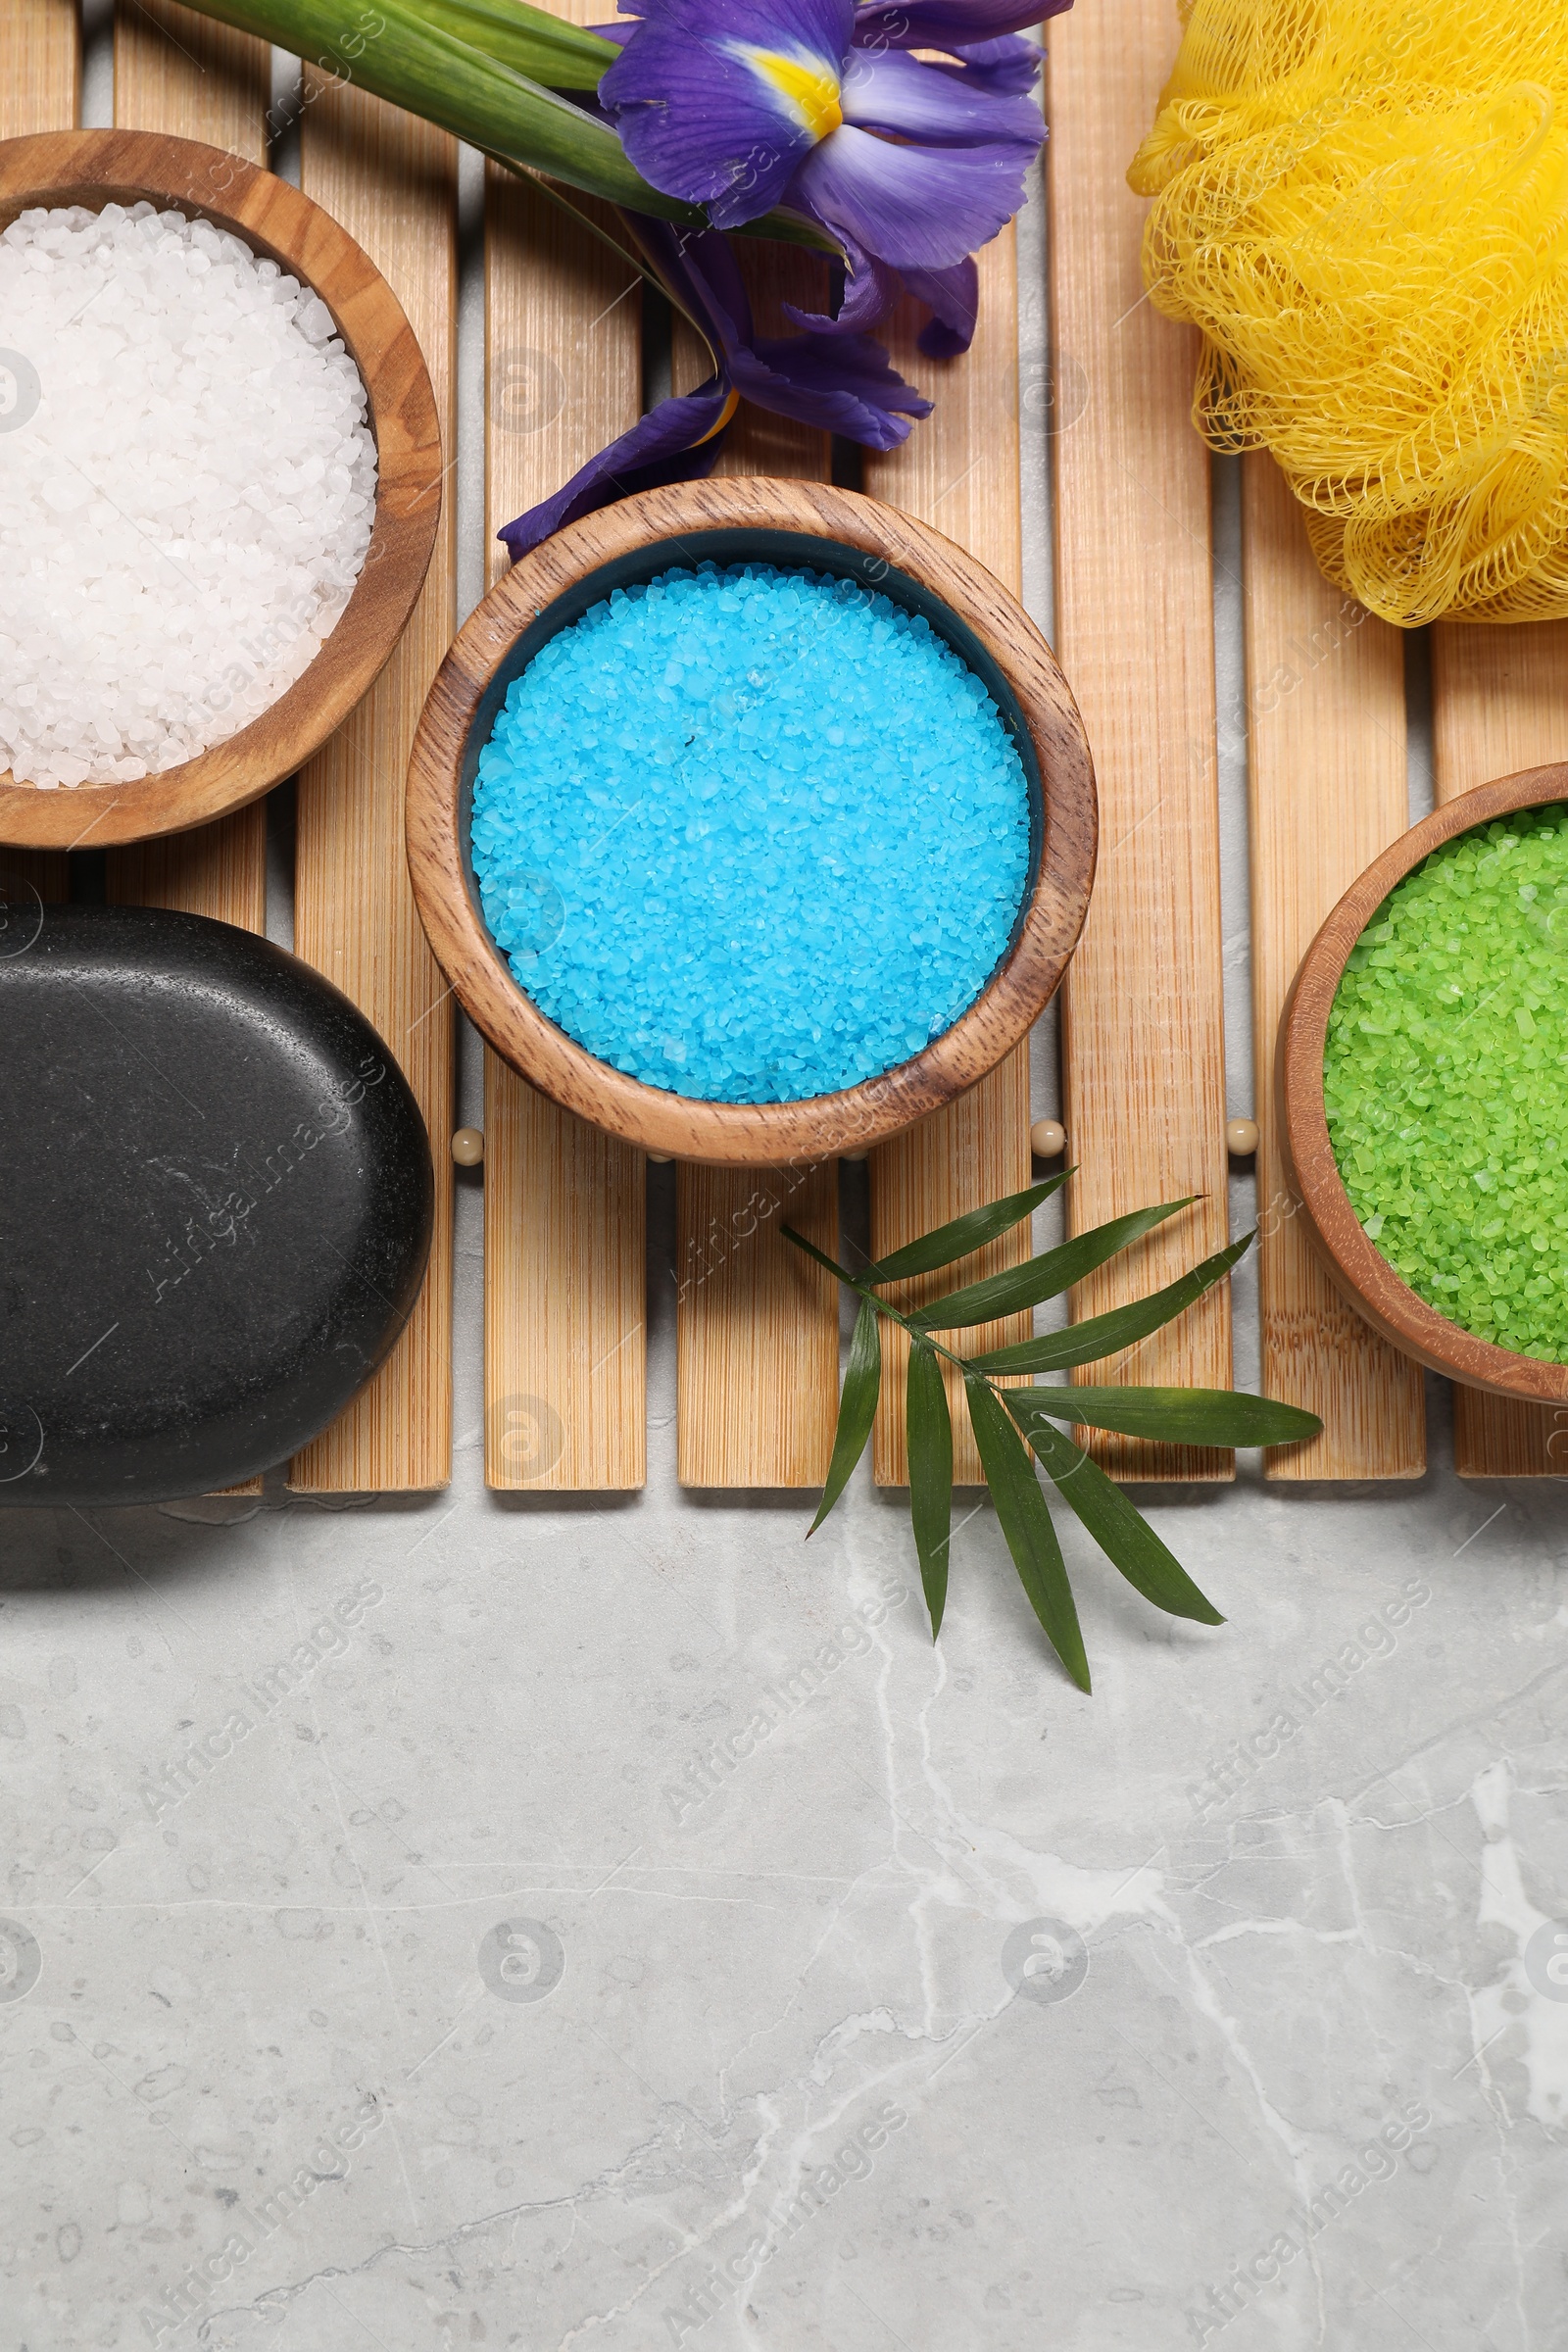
784	522
95	168
1360	1271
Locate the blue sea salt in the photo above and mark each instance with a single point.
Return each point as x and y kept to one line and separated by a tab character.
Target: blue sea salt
751	835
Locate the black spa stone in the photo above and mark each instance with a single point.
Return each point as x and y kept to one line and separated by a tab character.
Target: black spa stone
216	1201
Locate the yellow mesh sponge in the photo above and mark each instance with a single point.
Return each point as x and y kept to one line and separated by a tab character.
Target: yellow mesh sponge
1363	204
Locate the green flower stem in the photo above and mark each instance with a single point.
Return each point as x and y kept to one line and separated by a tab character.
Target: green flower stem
543	47
492	76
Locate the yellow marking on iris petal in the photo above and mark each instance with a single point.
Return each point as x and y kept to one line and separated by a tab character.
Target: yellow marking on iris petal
726	413
809	88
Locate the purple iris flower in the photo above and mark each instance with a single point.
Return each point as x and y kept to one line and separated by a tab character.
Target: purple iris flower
845	383
909	162
910	165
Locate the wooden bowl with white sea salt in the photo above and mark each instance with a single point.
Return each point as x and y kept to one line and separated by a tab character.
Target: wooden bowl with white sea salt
751	820
219	483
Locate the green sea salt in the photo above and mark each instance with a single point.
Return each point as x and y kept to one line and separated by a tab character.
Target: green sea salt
1445	1081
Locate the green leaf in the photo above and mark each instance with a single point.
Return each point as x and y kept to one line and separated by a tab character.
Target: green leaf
398	51
862	1384
1172	1416
545	48
1122	1532
1102	1335
1026	1524
1043	1277
930	1427
964	1235
810	1249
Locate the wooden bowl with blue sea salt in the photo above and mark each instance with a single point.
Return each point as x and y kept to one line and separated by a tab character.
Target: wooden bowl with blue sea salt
751	820
219	483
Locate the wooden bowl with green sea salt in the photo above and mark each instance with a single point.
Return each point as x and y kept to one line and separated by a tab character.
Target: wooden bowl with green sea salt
219	483
1424	1081
751	820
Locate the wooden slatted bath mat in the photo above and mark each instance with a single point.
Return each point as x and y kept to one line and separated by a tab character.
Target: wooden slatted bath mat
565	1255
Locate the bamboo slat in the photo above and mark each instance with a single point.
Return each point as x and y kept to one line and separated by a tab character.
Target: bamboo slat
391	181
1143	1022
218	869
565	1216
1500	703
1327	791
21	873
757	1352
565	1341
959	471
40	88
757	1328
179	71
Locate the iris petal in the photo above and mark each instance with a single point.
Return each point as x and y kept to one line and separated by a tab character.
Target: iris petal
676	442
922	208
699	115
888	91
844	384
954	298
947	23
1009	66
870	294
705	278
840	380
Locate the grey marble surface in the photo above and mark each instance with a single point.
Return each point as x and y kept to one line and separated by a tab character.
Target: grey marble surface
471	1920
459	1923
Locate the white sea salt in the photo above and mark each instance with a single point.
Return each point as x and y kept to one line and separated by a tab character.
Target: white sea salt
187	490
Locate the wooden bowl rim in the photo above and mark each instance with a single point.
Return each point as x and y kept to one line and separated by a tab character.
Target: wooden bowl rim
101	166
853	1118
1363	1273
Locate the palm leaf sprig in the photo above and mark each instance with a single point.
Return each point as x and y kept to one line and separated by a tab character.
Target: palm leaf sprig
1015	1427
